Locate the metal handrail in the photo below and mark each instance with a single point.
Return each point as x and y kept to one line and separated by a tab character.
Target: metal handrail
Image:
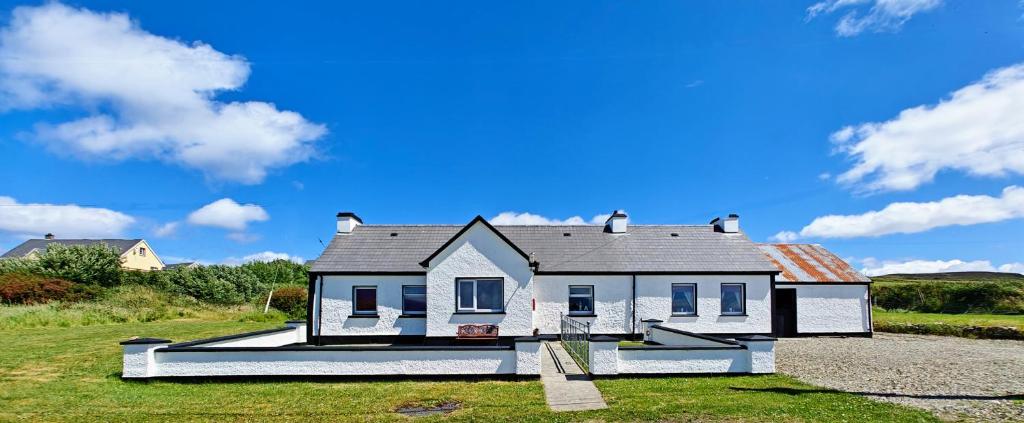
576	341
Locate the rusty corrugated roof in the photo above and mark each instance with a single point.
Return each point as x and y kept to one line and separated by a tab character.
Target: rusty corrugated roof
809	263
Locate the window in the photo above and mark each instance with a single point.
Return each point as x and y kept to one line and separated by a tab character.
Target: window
480	295
734	299
364	300
581	299
142	251
414	299
684	299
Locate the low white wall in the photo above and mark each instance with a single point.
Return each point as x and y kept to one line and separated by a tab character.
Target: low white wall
275	339
648	361
761	353
337	307
654	301
528	357
831	308
667	337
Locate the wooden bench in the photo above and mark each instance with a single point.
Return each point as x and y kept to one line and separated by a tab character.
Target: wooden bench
477	332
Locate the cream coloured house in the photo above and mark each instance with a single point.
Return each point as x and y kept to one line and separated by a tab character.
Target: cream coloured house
136	254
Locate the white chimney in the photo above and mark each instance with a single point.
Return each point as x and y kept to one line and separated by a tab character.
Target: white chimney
347	222
616	223
731	224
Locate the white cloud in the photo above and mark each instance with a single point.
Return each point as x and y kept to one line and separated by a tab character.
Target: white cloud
977	130
228	214
882	16
513	218
63	220
784	236
149	97
910	218
167	229
874	267
263	256
243	237
824	176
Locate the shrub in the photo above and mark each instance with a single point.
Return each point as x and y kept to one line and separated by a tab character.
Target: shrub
87	264
28	289
291	300
952	297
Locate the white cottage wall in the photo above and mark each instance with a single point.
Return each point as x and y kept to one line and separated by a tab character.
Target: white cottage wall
337	307
612	302
654	301
831	308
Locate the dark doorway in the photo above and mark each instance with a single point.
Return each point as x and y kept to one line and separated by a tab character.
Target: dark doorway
784	320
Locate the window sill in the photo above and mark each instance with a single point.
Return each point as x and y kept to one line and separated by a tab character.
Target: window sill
364	316
581	315
734	315
412	316
688	315
479	312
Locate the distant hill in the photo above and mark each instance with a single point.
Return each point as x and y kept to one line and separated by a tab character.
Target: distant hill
952	276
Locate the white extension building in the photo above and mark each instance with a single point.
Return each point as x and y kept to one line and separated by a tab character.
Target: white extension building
406	299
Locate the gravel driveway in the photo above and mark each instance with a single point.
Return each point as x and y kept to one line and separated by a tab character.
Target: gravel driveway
955	378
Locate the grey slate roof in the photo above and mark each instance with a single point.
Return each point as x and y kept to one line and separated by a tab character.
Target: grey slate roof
644	248
121	245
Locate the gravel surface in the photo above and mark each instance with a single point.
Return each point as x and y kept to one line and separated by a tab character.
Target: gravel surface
955	378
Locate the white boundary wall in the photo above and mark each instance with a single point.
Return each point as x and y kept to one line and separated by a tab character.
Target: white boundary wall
751	356
831	308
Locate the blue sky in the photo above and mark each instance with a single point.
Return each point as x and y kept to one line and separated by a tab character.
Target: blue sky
220	130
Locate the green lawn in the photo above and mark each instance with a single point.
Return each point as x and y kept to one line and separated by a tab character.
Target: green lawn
73	374
899	317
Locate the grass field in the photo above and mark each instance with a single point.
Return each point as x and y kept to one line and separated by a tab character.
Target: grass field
900	317
73	373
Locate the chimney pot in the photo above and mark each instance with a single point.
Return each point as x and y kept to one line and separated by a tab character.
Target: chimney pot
617	222
731	224
49	236
347	222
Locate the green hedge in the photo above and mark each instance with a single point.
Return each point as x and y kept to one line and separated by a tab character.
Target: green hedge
982	332
952	297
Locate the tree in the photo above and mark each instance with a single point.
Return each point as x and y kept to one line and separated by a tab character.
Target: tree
97	264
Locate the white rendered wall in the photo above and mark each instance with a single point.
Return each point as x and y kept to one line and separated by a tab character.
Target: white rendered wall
654	301
479	253
831	308
612	302
665	337
275	339
337	307
683	361
528	357
340	363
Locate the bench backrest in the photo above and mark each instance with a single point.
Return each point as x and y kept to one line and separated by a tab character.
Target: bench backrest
477	332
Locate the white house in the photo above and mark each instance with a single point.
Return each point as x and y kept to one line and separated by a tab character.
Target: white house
415	299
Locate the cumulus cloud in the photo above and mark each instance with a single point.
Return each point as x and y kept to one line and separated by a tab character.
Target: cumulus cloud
513	218
264	256
881	16
784	236
167	229
149	97
977	130
228	214
907	218
63	220
874	267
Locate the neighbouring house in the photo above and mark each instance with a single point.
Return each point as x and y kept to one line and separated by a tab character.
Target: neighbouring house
817	293
481	299
136	254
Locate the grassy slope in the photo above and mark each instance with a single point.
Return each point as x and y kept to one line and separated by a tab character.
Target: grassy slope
57	373
900	317
950	276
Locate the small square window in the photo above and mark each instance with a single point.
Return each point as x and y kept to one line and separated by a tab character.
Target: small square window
734	298
142	251
581	299
364	300
684	299
414	299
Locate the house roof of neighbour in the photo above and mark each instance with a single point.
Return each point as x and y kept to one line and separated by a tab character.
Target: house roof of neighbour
809	263
565	249
120	245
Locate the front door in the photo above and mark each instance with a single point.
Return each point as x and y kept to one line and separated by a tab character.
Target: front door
784	320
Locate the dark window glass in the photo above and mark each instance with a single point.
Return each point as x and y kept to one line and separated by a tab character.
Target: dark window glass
684	298
581	300
733	298
414	299
467	298
366	300
489	295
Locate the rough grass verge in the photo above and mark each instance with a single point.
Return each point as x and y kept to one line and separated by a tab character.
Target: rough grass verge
978	326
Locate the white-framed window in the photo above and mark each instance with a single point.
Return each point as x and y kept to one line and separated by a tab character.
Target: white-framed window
734	299
364	300
684	299
142	251
581	299
483	295
414	299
